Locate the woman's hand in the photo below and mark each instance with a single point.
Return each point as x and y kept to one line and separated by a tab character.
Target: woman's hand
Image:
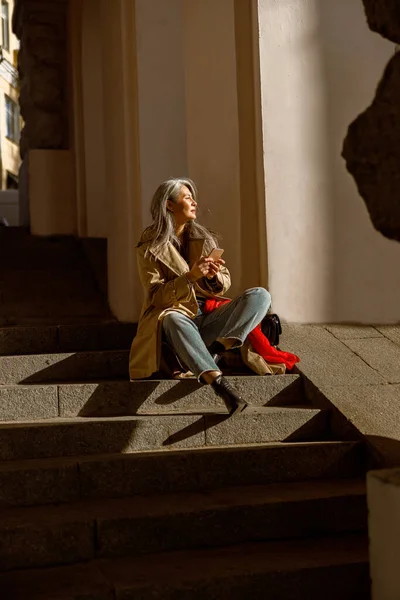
204	267
215	267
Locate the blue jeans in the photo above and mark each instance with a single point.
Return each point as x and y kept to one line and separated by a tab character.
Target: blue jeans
190	337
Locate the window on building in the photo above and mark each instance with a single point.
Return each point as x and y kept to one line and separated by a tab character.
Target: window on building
5	24
12	120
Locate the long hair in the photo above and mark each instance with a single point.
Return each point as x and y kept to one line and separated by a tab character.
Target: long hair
162	229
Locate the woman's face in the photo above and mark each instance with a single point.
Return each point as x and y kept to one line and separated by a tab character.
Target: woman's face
184	208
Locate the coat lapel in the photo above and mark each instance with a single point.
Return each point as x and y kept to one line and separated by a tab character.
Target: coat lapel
173	260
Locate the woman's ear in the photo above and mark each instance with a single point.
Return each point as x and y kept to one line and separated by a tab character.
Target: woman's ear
169	206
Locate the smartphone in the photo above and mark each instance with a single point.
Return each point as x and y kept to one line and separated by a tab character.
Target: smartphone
216	253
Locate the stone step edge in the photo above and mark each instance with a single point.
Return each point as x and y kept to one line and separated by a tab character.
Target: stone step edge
171	504
181	568
251	411
15	465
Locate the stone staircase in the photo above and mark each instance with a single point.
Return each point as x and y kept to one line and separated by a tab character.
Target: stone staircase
111	490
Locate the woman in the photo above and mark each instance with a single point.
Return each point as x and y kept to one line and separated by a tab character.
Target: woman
178	277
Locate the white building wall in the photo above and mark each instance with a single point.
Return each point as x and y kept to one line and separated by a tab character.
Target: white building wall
319	68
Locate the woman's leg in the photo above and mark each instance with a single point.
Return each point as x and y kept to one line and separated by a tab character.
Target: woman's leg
231	323
183	335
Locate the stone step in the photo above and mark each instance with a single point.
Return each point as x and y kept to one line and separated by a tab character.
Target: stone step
145	524
122	398
82	436
332	568
75	366
45	339
106	476
47	481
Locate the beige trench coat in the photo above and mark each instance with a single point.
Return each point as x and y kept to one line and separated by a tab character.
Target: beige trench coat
167	288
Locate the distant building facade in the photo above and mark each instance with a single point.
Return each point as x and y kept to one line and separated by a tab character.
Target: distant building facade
10	121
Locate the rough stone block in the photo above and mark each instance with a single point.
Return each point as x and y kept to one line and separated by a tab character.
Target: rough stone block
80	437
113	398
374	411
105	336
27	340
324	359
350	332
229	516
76	582
38	368
28	402
210	468
266	425
382	355
339	567
392	332
38	482
39	537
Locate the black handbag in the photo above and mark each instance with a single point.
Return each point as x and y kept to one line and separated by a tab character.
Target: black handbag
271	328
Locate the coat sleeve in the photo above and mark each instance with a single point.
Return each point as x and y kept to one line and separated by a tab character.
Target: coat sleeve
161	293
221	285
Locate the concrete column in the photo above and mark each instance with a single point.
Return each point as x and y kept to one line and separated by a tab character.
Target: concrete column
319	67
383	489
212	121
121	137
161	95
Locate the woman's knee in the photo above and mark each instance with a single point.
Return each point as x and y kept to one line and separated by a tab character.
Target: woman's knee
261	294
174	320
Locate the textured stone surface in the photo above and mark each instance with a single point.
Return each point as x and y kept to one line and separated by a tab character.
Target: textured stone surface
211	468
38	368
45	536
168	396
336	566
105	336
33	402
384	17
392	332
339	566
374	411
229	516
266	425
40	536
42	66
27	340
76	582
38	482
380	354
350	332
74	437
372	153
324	359
31	482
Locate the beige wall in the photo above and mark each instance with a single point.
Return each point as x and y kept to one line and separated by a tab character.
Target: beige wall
212	121
319	68
93	119
161	95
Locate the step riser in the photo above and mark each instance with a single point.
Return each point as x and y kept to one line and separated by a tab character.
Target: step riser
66	338
122	398
135	434
91	536
349	581
83	366
346	582
231	526
159	473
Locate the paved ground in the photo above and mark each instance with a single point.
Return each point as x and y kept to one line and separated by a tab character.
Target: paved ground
357	370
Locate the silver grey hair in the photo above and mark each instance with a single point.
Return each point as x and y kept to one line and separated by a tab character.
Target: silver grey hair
162	230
